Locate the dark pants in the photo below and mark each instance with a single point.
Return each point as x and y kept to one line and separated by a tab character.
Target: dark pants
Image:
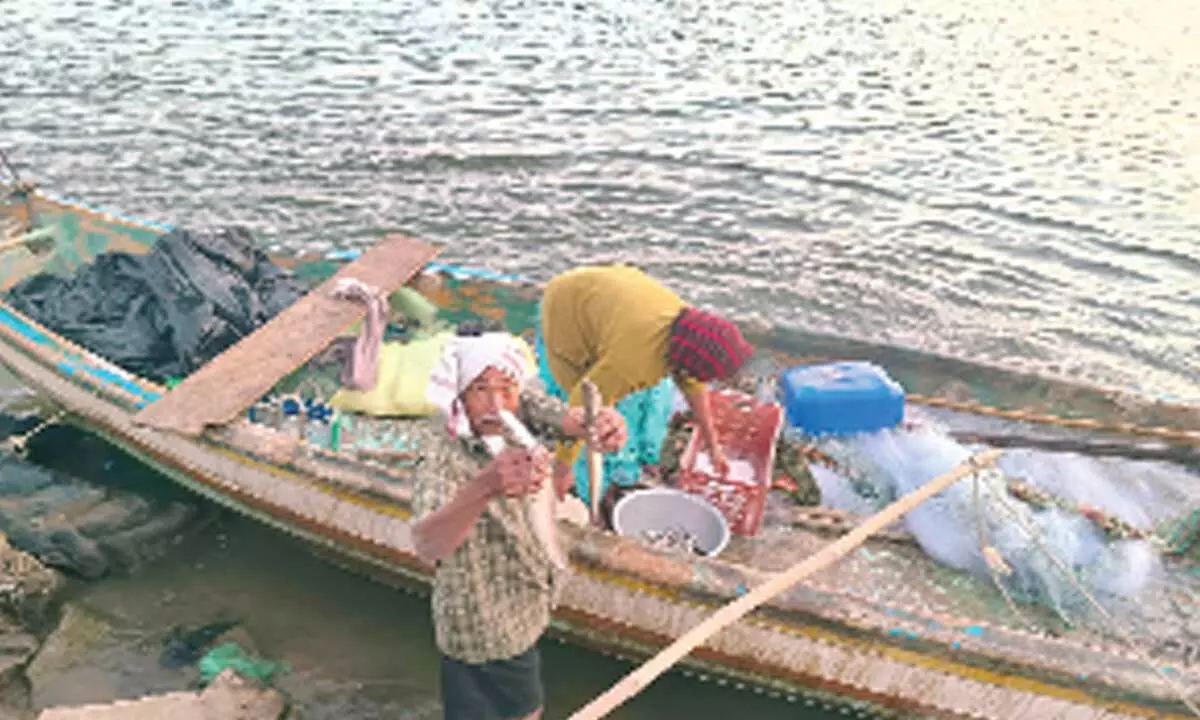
504	689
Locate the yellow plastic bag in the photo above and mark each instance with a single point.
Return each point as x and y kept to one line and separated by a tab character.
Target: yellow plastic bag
404	370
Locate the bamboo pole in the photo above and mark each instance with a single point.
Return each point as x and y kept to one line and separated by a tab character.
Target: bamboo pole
636	681
591	406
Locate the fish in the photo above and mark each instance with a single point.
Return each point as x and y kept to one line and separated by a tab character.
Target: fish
182	648
673	539
540	507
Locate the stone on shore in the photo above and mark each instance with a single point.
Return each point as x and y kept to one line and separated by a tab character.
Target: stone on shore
29	591
50	678
16	648
85	525
229	697
29	599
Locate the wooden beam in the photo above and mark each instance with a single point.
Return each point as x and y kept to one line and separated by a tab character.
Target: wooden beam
230	383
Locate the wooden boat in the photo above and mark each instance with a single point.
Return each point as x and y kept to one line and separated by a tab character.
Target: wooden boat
887	631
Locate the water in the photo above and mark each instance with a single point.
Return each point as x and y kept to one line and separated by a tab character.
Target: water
1017	182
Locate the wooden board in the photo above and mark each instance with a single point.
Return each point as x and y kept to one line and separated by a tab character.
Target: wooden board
234	380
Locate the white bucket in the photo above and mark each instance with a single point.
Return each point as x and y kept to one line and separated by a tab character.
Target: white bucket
661	509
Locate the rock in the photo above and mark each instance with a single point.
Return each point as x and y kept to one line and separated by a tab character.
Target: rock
64	496
77	633
315	697
229	697
29	594
87	528
119	514
29	591
58	547
23	478
16	648
130	548
12	713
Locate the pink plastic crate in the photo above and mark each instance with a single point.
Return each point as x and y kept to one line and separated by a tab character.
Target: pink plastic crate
747	430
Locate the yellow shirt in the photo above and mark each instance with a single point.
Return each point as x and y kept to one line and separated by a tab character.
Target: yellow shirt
609	324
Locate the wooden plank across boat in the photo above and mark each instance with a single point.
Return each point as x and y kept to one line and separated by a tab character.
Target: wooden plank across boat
887	630
233	381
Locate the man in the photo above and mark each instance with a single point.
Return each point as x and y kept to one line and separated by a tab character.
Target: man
496	584
631	335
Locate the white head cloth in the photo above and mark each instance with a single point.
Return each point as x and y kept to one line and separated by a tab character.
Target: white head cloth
463	360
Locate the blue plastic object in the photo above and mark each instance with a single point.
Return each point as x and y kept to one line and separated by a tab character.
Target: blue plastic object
291	407
841	398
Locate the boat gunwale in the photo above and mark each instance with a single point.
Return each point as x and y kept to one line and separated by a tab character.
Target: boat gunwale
44	354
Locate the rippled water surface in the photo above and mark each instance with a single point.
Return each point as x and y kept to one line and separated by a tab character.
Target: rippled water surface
1017	181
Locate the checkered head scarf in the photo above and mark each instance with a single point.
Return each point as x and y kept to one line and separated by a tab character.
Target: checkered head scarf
706	346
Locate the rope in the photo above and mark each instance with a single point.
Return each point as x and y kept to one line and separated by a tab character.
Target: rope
1170	435
1113	527
1070	577
20	443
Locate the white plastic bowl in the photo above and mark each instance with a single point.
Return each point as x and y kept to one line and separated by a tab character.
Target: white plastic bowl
665	508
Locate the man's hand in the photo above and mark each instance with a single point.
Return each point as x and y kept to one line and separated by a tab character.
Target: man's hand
516	472
608	431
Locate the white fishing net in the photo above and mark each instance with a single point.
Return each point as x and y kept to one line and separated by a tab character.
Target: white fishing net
874	469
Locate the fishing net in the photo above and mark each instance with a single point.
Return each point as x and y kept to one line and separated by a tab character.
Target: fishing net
1047	526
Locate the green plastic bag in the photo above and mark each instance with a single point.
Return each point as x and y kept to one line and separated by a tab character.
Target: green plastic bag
231	655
